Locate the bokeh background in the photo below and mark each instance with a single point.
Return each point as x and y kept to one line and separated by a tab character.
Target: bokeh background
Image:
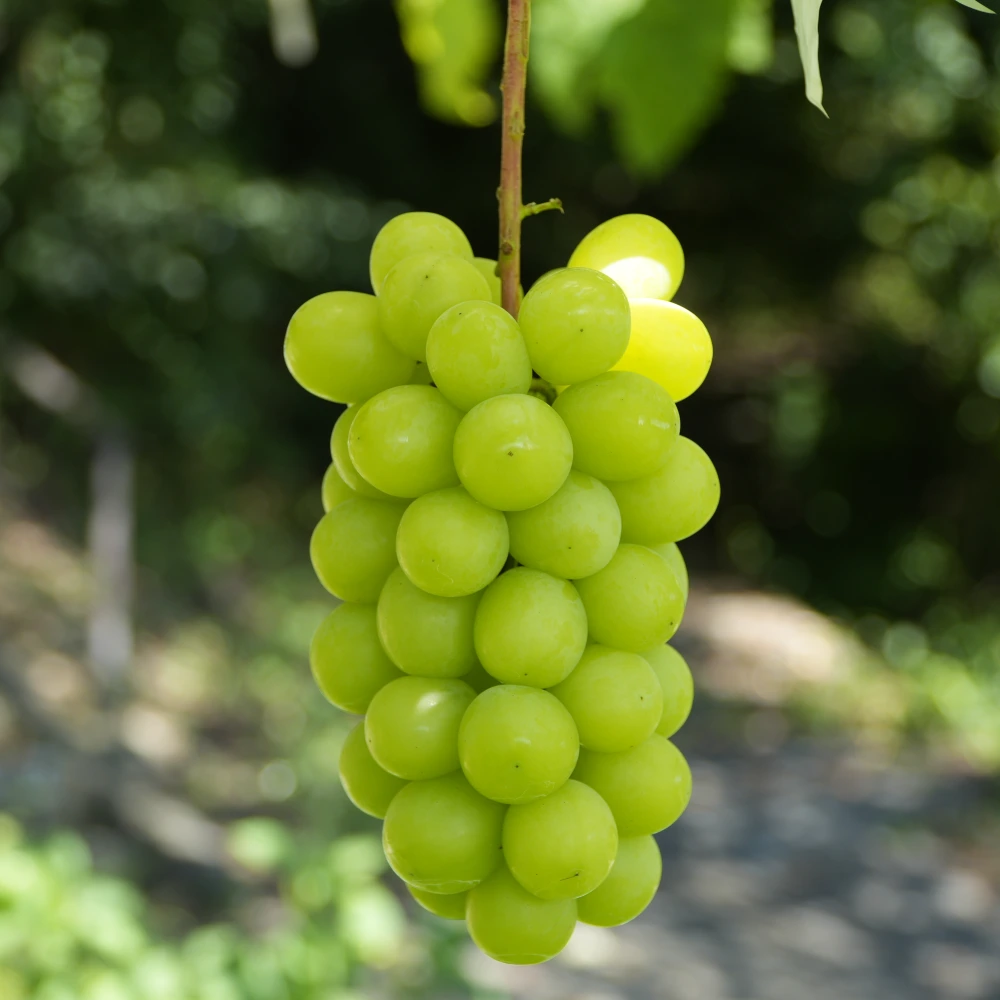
177	176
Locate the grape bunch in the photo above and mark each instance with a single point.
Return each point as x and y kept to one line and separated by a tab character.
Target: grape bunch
501	522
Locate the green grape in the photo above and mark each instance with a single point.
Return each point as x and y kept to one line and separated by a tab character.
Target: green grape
669	345
335	349
614	697
512	452
572	534
368	786
639	252
647	787
423	634
353	548
488	269
418	290
672	554
575	322
421	375
561	846
674	502
442	835
347	661
412	233
478	679
401	441
334	489
412	726
623	425
451	906
475	351
451	545
340	451
511	925
517	744
629	889
530	628
675	679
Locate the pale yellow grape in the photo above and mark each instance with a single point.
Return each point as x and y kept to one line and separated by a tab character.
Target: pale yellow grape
401	441
336	349
412	233
340	451
639	252
572	534
368	786
347	661
561	846
677	684
451	906
647	787
334	489
674	502
474	351
530	628
629	889
442	835
512	452
412	726
672	554
488	269
450	544
423	634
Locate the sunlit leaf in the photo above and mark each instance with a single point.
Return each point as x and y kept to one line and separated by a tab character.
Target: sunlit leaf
807	32
751	37
975	5
293	31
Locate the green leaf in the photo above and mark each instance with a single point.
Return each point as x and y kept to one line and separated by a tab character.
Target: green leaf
751	37
807	32
975	5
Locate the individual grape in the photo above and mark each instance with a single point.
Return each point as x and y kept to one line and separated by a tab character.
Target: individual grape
347	661
478	679
572	534
417	290
412	233
353	548
614	697
575	322
675	679
340	451
368	786
639	252
442	835
672	554
336	349
635	602
561	846
401	441
668	344
450	544
412	726
423	634
512	452
488	269
672	503
517	743
623	425
334	489
475	351
629	889
451	906
511	925
647	787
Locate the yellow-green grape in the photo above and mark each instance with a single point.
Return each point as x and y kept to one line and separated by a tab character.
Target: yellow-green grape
635	602
488	269
340	451
412	726
639	252
575	322
629	889
401	441
672	554
347	661
531	628
478	679
474	351
336	349
450	544
677	684
668	344
647	787
417	290
451	906
623	425
423	634
572	534
370	787
421	375
517	743
353	548
442	835
334	489
512	452
674	502
562	846
412	233
614	697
